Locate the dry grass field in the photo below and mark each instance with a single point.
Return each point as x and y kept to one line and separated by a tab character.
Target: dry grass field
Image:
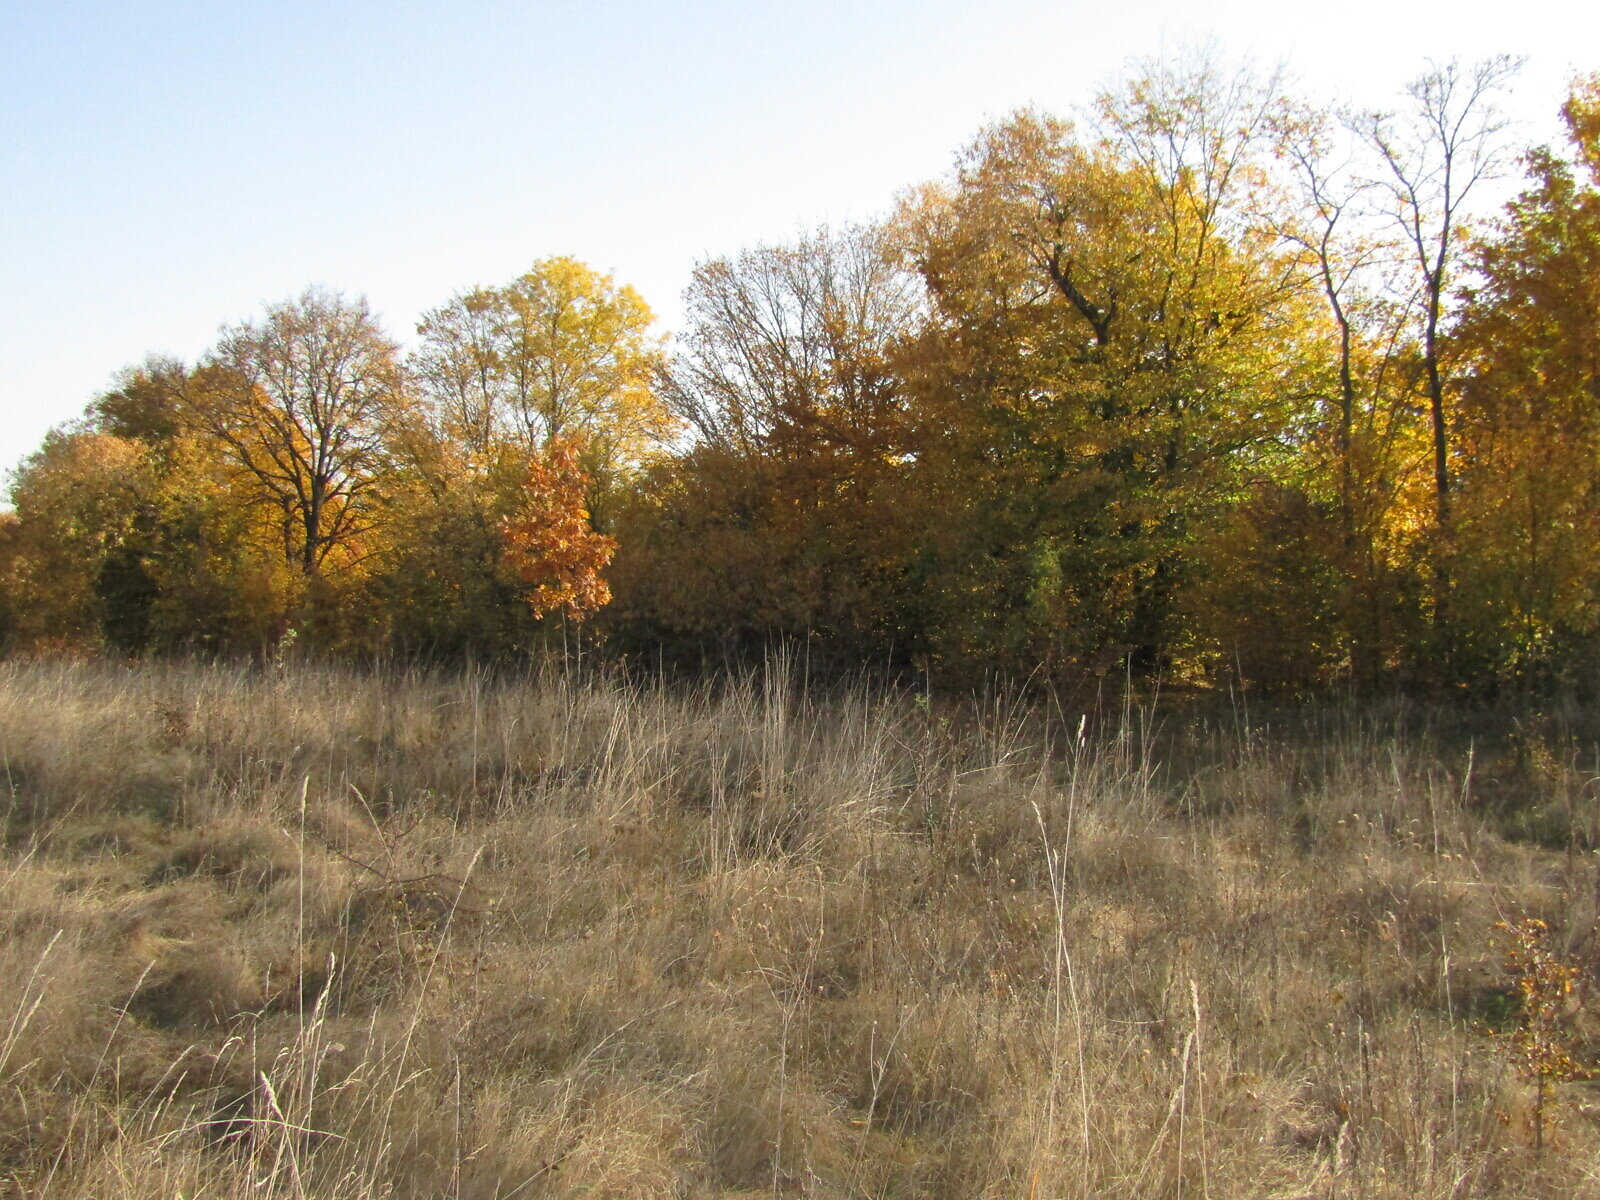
327	933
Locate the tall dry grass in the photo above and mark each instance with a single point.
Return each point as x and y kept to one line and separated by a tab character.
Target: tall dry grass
319	932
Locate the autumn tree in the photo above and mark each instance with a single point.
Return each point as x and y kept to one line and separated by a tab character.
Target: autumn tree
459	368
786	516
1380	235
794	344
145	404
129	533
480	567
80	503
299	403
1308	574
1529	419
1114	348
560	353
560	362
549	541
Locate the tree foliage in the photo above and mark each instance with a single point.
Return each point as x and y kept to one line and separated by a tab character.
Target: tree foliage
1116	348
549	542
300	404
560	353
788	515
1206	382
1528	550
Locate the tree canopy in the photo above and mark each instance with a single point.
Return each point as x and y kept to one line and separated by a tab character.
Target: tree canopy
1206	382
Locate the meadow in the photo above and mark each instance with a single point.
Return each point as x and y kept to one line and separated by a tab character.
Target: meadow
315	931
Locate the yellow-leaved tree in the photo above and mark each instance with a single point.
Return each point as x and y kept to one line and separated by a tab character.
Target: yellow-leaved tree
561	352
536	409
1113	356
1528	522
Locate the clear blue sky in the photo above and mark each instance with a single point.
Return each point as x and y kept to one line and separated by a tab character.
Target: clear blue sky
166	168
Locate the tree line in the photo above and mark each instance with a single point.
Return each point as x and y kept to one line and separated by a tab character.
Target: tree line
1207	383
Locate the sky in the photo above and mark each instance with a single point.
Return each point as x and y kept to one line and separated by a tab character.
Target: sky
169	168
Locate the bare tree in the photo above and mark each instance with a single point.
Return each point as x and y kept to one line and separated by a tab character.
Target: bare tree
793	343
1332	212
461	366
1449	139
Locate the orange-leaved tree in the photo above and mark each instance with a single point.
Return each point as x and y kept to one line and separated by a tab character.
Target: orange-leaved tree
549	541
